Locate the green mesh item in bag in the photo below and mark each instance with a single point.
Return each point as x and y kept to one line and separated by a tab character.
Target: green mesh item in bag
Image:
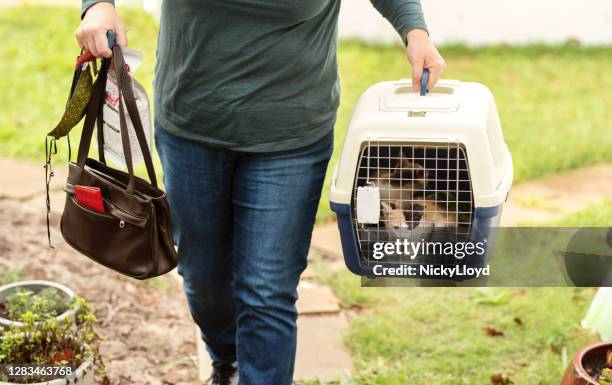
78	100
76	105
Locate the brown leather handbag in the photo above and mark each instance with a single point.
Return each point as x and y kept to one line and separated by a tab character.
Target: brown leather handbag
133	235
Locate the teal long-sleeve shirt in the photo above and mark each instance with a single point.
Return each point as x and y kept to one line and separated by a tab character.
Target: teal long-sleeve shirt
254	75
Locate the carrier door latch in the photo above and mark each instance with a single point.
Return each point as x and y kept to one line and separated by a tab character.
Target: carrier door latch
368	204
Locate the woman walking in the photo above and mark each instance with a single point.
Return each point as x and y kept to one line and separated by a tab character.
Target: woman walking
246	93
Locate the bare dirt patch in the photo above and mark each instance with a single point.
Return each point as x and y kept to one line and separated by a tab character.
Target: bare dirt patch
146	330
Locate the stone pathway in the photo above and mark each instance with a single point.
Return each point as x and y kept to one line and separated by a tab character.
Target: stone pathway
552	197
23	180
321	352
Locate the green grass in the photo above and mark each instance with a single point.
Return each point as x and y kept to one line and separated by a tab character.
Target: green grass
423	336
595	215
552	100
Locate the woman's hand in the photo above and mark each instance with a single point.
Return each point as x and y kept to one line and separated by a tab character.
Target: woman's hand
91	34
423	54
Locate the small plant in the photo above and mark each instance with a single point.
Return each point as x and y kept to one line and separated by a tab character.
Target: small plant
605	378
47	303
49	341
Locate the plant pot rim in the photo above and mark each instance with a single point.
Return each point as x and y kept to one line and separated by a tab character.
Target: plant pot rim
579	368
87	364
5	322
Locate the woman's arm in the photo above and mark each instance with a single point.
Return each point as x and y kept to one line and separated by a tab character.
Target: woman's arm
406	16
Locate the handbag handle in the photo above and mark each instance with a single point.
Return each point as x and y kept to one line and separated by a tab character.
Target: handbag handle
94	112
130	103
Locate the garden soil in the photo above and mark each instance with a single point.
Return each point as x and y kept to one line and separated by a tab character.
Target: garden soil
146	334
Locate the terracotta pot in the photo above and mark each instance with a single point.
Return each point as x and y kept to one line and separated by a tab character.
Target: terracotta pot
576	374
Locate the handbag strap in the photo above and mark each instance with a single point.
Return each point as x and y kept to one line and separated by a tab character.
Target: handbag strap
97	96
100	131
132	108
94	113
124	78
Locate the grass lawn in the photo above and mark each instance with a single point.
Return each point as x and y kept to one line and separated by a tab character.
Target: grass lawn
423	336
552	100
598	215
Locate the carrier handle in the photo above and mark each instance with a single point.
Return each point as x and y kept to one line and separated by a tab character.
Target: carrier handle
424	81
111	36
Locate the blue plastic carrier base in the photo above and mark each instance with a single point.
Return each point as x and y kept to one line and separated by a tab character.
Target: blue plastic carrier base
483	229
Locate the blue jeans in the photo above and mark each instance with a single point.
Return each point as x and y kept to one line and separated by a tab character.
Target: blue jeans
243	223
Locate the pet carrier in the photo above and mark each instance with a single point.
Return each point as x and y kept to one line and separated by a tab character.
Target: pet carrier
415	166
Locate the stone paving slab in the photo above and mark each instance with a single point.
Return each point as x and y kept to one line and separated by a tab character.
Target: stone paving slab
316	299
312	297
554	196
204	361
326	241
321	353
309	273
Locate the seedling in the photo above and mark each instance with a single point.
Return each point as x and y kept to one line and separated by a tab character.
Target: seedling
47	303
49	341
605	378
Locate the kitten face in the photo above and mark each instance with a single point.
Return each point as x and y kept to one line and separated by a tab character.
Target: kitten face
413	212
393	215
420	212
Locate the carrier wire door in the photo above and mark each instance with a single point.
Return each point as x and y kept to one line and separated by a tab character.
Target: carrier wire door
423	187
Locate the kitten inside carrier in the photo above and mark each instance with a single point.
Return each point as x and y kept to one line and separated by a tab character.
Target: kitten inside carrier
422	188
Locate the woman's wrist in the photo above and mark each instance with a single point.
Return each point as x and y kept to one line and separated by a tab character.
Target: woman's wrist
417	34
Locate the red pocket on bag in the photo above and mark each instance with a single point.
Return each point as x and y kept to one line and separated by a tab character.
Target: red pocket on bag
90	197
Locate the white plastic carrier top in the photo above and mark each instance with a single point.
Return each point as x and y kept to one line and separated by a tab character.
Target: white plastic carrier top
453	112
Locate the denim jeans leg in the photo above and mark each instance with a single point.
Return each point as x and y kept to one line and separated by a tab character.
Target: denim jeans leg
198	179
275	198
